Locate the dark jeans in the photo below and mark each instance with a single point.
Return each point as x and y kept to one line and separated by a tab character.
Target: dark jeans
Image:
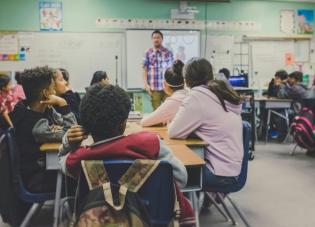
211	181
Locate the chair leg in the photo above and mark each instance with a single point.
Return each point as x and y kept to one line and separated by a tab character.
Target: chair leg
240	213
294	150
35	207
217	206
226	209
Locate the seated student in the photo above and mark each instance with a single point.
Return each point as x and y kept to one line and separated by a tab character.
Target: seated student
36	122
100	77
279	79
212	111
63	90
294	89
7	101
174	88
104	111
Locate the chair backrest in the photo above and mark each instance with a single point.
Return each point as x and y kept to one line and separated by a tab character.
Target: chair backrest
243	174
157	192
23	193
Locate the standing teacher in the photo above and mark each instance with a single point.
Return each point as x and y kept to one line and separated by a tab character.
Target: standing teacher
156	60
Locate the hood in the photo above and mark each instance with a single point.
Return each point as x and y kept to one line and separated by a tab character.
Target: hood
237	109
19	112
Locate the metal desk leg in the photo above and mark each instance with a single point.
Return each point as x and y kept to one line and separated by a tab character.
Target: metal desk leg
288	126
267	126
57	198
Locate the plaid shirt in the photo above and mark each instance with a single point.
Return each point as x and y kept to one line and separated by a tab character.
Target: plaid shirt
156	62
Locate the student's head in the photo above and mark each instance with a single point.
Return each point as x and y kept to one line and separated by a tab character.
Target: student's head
100	77
60	83
5	83
197	71
18	77
104	111
226	73
65	75
174	79
281	76
295	78
157	38
38	84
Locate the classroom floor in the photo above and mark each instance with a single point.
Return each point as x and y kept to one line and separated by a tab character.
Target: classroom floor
280	192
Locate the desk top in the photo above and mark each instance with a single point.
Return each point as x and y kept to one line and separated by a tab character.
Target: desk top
50	147
271	99
186	155
182	152
162	131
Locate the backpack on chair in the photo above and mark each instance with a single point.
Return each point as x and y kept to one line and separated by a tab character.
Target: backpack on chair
302	129
108	204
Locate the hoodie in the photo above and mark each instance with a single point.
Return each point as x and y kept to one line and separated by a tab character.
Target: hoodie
167	111
201	113
33	129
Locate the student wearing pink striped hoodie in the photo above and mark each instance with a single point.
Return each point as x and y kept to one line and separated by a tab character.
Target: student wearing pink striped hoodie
174	88
212	111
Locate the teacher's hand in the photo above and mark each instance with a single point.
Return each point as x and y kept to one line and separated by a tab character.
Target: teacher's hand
147	88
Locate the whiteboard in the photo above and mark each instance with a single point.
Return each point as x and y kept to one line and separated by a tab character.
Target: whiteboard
138	41
80	53
220	50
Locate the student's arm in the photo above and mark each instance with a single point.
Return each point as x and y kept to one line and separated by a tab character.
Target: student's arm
44	132
7	118
179	170
162	114
187	119
283	91
72	139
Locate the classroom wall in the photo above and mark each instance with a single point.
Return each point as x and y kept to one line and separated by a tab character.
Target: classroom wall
80	15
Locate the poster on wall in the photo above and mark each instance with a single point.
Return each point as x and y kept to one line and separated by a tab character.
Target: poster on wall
305	21
50	14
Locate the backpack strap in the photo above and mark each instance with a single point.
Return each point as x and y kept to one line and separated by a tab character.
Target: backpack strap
138	173
95	173
132	180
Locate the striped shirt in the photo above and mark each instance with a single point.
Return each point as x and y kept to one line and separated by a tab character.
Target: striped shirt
156	62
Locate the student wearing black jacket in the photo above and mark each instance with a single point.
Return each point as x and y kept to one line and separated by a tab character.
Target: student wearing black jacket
36	122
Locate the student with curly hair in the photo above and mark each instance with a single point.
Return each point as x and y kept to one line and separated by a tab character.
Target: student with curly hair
104	111
36	122
174	88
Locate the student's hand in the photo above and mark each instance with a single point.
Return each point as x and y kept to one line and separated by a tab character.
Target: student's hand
54	100
76	134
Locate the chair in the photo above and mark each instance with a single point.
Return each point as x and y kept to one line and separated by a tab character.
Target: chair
37	199
157	192
240	182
